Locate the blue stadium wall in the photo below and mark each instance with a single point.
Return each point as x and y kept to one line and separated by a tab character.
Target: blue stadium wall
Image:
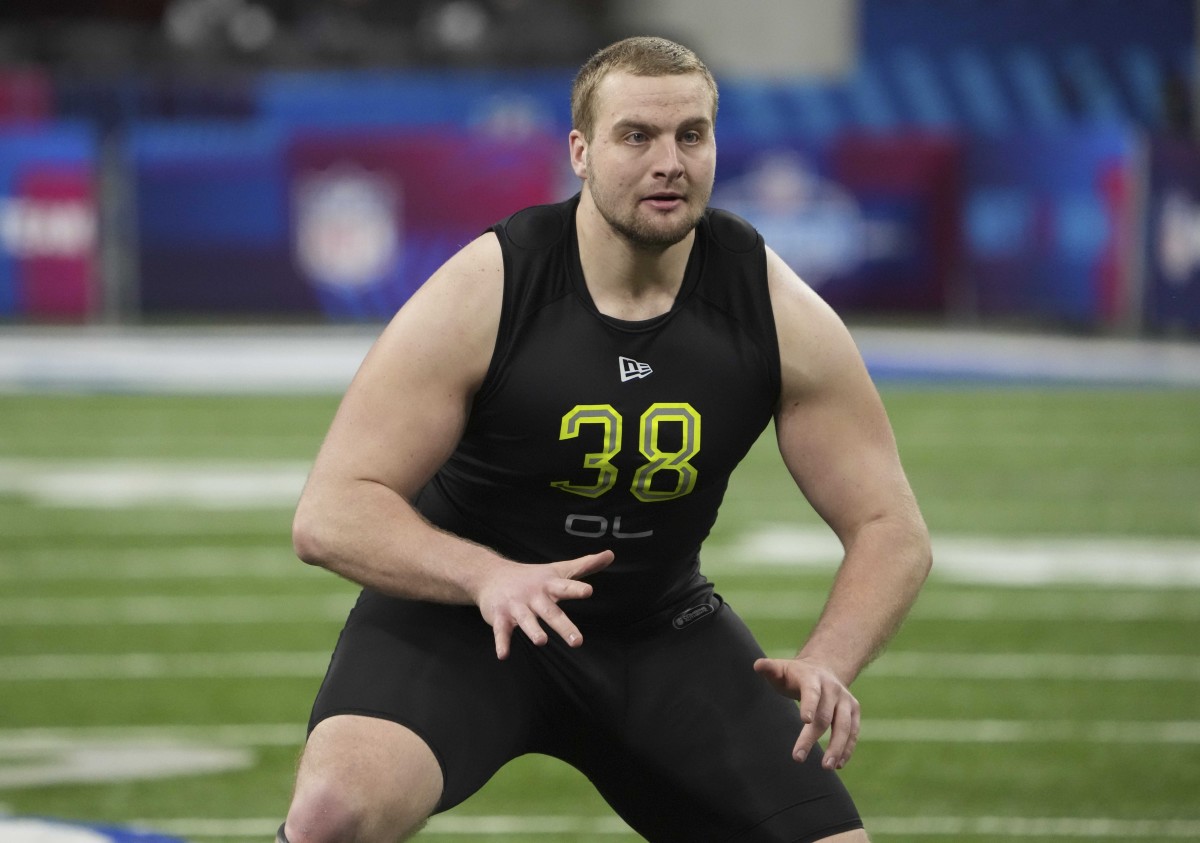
1027	160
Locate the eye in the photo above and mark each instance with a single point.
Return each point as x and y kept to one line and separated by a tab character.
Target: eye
636	137
691	137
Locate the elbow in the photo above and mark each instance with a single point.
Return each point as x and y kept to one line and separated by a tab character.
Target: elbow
923	551
309	540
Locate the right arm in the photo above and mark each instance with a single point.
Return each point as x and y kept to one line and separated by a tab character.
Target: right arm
399	420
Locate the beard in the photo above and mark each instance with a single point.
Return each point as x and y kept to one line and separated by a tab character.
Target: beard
640	229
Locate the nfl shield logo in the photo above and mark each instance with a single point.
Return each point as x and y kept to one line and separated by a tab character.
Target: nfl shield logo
347	223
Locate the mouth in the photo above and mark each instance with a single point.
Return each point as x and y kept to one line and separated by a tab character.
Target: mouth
664	201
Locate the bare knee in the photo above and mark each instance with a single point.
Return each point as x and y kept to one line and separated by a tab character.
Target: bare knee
324	812
362	780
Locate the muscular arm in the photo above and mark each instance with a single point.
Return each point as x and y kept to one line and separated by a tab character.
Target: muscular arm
837	443
398	422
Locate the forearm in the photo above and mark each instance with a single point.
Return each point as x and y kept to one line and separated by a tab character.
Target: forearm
880	576
367	533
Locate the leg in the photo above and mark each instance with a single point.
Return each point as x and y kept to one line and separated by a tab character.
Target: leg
362	780
702	753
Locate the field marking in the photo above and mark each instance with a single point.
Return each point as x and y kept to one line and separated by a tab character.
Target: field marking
1067	827
119	484
895	664
980	560
213	562
102	763
41	757
1106	606
1077	827
1011	560
130	666
884	730
291	359
1121	667
172	609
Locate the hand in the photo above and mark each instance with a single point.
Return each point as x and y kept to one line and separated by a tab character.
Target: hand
522	595
825	703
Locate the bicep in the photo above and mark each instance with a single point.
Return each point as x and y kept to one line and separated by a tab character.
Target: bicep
407	405
832	427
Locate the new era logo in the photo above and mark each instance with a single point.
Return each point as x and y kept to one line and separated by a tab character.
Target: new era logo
632	369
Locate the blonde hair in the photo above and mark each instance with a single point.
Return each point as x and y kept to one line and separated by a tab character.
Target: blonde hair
642	55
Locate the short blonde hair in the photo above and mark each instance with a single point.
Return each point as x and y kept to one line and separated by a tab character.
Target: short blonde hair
642	55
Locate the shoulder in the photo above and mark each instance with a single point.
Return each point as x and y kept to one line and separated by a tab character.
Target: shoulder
815	347
731	232
448	326
537	227
477	269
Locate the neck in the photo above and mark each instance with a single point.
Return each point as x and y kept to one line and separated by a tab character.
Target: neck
627	280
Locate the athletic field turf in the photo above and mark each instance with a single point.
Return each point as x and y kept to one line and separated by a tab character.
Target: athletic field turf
159	645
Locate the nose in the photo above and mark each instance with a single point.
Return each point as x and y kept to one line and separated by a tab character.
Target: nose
668	164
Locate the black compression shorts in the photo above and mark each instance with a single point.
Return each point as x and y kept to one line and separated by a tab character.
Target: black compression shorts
667	718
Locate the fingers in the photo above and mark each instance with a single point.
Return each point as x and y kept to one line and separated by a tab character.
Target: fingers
831	709
528	600
574	569
826	705
518	617
503	635
530	624
775	672
558	621
529	618
844	736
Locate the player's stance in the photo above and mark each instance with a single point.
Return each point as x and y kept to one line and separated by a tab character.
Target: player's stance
542	436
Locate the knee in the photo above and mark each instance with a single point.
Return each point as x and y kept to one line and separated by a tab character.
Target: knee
323	813
329	812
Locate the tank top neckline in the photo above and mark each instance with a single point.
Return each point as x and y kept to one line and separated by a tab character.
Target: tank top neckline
691	276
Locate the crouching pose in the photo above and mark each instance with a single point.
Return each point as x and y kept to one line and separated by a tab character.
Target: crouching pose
522	473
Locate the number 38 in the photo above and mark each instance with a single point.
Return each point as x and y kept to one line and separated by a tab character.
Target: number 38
653	480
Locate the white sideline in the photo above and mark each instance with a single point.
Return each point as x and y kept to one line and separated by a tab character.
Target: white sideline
948	826
321	359
1019	667
887	730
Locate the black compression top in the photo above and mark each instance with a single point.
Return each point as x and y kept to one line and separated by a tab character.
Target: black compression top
592	433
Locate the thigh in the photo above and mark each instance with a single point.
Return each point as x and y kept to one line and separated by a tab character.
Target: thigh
433	670
705	753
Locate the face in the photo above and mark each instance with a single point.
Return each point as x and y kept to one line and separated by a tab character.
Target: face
649	166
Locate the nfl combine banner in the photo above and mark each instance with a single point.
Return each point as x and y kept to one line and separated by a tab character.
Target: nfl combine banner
870	222
49	248
373	214
269	220
1049	221
1171	301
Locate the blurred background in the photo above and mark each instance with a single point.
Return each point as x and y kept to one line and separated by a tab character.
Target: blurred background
209	207
1027	163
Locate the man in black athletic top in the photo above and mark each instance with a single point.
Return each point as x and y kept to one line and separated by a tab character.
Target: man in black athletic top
521	476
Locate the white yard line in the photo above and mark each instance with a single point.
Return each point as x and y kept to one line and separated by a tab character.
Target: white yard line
996	560
894	664
324	359
950	826
177	610
42	564
164	610
885	730
119	484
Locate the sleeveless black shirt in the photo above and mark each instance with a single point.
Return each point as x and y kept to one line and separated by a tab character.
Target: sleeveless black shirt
592	433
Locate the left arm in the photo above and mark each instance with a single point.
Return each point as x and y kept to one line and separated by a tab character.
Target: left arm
838	445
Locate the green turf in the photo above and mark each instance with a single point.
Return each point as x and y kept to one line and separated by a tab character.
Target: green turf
985	461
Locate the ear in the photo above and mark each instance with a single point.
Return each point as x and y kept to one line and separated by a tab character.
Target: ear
579	151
